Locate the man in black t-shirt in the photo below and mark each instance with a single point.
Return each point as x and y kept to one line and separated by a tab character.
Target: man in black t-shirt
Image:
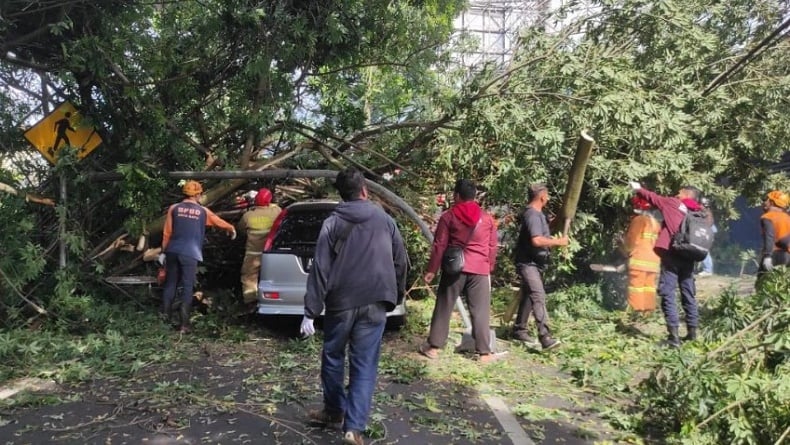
532	255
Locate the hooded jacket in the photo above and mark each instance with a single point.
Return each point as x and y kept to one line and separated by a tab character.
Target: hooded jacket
454	228
360	259
673	210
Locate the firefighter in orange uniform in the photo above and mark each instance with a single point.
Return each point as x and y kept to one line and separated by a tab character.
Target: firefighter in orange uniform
643	262
257	223
775	228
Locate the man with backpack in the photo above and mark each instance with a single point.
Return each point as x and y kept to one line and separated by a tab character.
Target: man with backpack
678	256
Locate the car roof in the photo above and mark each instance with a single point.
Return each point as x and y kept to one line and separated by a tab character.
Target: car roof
318	204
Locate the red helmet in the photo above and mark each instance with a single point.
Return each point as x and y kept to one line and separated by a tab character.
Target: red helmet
263	198
640	203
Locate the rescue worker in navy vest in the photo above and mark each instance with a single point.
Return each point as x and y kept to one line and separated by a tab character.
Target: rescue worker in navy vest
532	257
675	270
257	223
775	228
182	242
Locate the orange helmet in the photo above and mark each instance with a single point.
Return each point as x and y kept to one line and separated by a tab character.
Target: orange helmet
263	198
640	203
192	188
779	199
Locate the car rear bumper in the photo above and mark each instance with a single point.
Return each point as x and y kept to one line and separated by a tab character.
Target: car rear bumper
280	309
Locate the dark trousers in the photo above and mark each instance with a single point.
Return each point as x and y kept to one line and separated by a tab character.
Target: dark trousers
477	289
678	272
533	300
360	328
181	270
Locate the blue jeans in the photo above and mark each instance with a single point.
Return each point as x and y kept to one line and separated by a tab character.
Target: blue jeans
181	270
678	272
360	328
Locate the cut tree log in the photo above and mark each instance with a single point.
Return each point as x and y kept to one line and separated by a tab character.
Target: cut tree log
573	189
28	196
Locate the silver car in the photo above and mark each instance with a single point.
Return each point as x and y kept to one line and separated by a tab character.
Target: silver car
287	257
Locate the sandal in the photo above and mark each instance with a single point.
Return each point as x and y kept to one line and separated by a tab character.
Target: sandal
429	351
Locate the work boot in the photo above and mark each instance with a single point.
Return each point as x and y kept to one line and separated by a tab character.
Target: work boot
691	334
186	309
672	340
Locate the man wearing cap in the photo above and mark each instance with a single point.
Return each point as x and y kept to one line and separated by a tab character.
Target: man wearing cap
775	227
182	243
676	271
643	262
257	223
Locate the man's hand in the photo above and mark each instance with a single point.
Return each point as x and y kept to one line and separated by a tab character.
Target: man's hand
428	277
768	263
307	328
635	185
563	241
233	235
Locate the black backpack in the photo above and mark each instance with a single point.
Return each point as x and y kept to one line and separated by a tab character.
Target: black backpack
694	238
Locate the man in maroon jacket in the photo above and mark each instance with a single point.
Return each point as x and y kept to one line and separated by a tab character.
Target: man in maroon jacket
675	270
466	225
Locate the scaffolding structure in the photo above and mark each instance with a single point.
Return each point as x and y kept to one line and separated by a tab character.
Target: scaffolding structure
493	25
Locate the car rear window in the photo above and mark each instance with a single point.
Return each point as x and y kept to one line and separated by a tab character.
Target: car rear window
299	229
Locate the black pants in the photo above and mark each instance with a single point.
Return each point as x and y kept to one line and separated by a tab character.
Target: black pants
533	301
477	289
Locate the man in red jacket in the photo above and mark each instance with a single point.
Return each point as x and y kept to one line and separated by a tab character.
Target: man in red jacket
675	270
465	225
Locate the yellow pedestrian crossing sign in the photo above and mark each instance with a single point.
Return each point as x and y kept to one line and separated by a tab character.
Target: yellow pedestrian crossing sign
64	126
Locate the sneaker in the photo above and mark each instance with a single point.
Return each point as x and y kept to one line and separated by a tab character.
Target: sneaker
429	351
525	338
704	274
549	343
353	438
323	417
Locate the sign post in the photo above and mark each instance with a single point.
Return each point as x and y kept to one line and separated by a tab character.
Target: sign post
65	126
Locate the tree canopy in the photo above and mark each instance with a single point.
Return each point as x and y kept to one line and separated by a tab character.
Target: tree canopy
226	85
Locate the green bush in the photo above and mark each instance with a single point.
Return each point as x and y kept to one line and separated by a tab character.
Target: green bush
733	389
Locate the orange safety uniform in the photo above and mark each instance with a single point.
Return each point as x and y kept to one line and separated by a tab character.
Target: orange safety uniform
776	230
257	222
643	263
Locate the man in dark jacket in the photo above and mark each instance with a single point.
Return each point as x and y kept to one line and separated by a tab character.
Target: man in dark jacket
358	275
676	271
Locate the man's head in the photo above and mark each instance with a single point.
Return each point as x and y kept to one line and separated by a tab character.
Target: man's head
689	192
777	198
465	190
350	184
263	198
192	189
538	194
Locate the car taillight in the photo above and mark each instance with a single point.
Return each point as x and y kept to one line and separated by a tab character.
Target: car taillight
271	295
273	231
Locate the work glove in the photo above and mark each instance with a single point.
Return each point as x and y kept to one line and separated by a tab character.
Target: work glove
160	259
634	185
307	328
233	235
768	263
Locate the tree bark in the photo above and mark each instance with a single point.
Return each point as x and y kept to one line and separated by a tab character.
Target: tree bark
573	189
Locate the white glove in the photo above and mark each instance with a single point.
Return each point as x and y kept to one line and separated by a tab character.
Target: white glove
634	185
161	259
233	235
768	263
307	328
